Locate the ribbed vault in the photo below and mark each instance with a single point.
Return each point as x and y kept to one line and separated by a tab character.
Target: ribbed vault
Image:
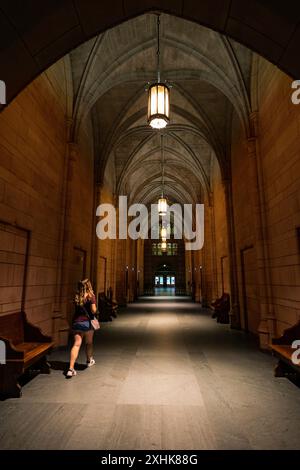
210	79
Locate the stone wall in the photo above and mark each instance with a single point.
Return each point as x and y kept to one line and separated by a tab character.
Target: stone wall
37	202
266	208
279	138
32	155
221	235
244	220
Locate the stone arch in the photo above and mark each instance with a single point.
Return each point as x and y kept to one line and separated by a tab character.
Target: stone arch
38	34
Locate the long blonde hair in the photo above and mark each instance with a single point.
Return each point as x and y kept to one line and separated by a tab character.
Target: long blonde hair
84	287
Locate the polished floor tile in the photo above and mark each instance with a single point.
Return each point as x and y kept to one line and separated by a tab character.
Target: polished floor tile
167	376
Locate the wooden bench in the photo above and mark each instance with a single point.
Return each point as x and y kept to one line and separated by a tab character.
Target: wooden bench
25	346
221	309
111	303
107	308
282	349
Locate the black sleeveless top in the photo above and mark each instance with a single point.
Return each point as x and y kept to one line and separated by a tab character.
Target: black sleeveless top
82	312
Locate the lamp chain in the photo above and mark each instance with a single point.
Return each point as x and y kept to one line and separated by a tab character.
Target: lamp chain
158	48
163	164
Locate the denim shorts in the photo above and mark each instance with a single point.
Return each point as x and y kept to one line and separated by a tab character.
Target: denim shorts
82	326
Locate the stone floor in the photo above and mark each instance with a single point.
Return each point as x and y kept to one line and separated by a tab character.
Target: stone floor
167	377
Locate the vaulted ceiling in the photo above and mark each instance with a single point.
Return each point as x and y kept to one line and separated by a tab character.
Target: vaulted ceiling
210	79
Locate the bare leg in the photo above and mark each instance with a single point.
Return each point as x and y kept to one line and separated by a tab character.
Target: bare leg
75	349
89	344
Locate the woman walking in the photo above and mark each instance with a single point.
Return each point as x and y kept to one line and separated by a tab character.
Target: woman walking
85	310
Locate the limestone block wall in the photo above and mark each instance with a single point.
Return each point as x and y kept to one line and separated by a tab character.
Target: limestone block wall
140	266
244	219
279	137
106	249
126	271
39	276
195	274
122	276
208	258
80	222
32	152
221	234
131	263
188	273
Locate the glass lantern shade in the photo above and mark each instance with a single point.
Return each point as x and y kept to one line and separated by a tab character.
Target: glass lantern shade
164	246
158	106
162	206
163	233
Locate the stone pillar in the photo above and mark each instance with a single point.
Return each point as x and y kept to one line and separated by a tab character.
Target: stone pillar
140	266
94	239
73	152
115	264
197	273
267	327
60	328
133	263
213	248
208	273
235	320
189	278
121	292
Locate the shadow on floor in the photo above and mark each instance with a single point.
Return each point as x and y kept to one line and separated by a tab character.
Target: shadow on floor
54	365
63	366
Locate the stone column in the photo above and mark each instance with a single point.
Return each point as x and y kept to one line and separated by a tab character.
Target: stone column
197	273
189	277
73	152
267	327
60	313
233	268
139	265
213	248
95	240
121	294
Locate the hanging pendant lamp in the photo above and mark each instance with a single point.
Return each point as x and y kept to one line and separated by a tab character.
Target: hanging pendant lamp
163	246
162	206
163	233
162	202
158	95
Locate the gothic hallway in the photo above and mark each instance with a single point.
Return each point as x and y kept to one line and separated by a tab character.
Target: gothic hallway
167	376
150	175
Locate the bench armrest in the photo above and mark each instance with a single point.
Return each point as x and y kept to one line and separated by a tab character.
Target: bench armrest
33	333
289	335
11	351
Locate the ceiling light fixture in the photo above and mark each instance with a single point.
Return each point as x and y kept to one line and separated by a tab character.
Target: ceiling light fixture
163	246
163	233
158	95
162	202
